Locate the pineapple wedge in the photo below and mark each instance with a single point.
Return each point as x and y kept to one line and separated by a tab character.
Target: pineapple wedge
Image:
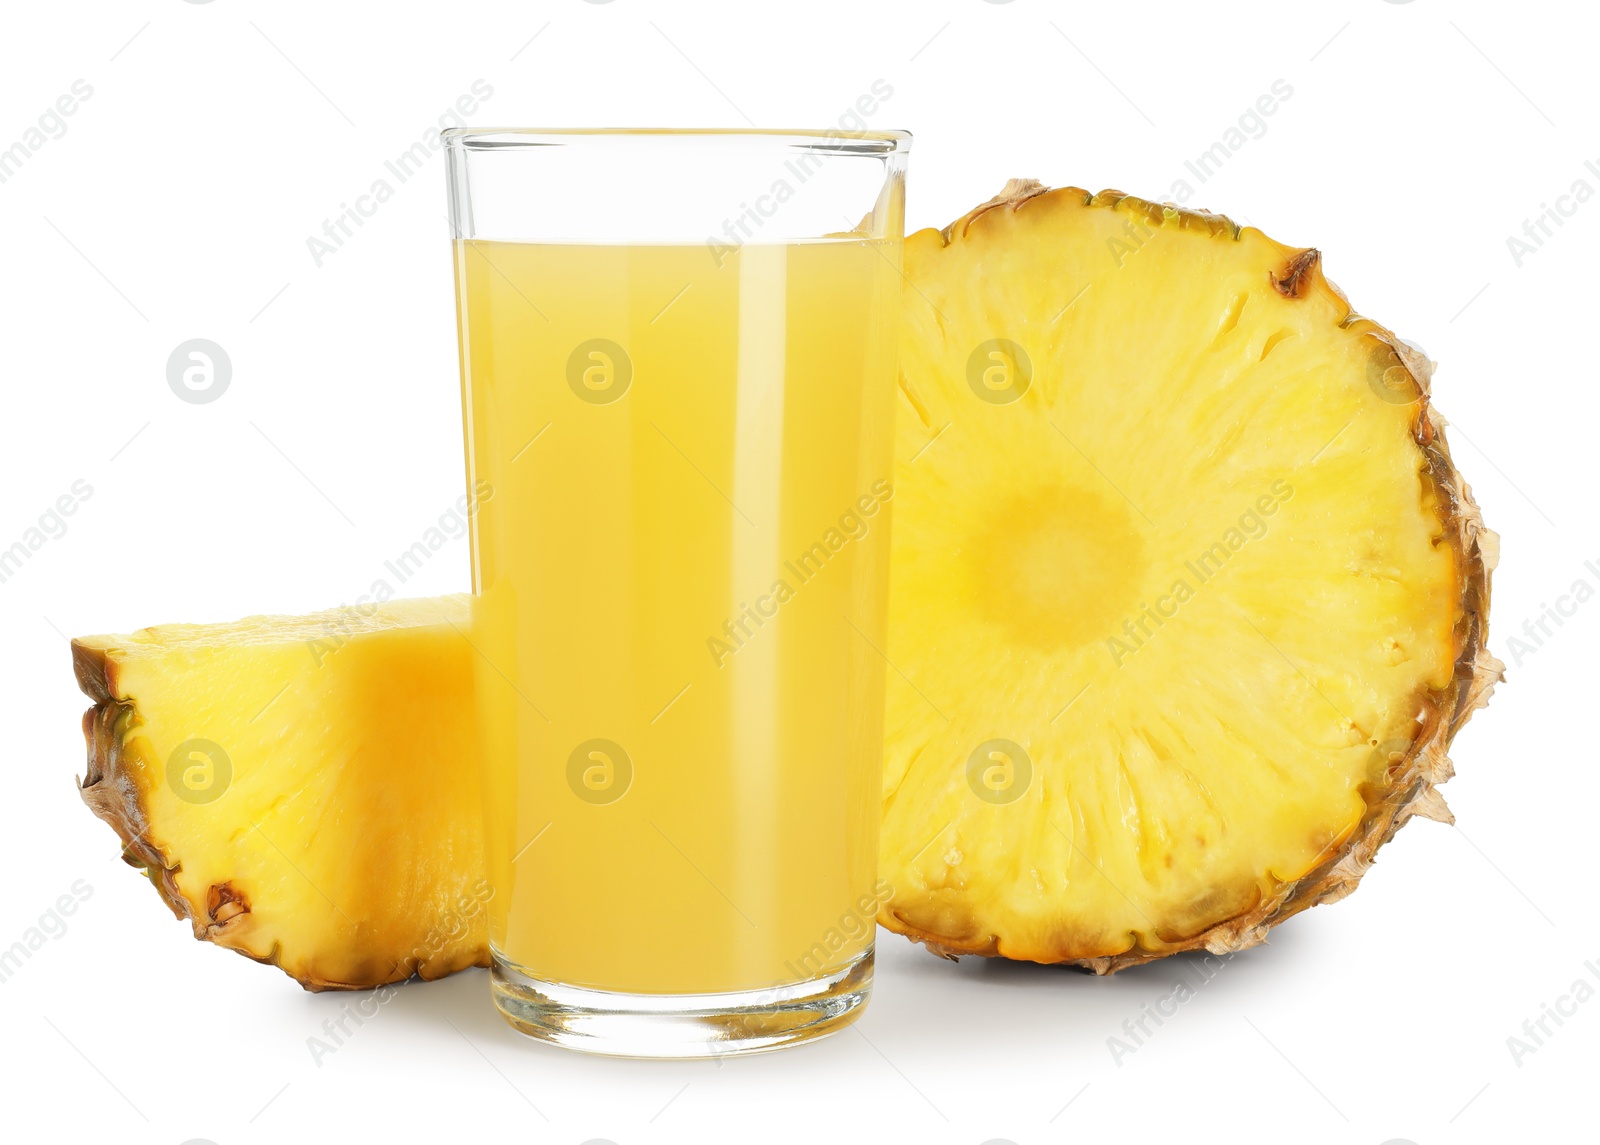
1188	598
304	790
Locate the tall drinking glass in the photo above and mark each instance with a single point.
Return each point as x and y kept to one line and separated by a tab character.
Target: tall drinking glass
677	362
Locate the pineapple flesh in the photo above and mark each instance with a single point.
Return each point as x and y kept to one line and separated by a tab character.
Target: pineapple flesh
1187	596
304	790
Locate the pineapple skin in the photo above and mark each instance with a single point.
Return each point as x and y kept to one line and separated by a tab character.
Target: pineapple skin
1410	786
408	878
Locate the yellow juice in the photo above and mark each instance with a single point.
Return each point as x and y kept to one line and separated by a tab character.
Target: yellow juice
680	563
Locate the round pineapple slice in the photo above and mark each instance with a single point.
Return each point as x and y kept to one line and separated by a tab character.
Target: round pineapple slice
1188	597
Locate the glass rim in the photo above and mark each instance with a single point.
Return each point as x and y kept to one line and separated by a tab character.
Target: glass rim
875	143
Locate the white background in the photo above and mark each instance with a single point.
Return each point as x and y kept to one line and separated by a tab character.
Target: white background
177	205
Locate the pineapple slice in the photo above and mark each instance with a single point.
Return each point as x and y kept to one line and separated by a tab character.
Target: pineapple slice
305	790
1188	598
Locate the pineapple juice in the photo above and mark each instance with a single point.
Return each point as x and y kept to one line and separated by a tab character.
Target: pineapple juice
680	583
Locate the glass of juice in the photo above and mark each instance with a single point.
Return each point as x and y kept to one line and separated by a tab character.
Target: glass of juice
678	359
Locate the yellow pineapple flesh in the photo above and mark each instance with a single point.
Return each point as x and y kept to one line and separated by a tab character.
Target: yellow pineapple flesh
1187	596
304	790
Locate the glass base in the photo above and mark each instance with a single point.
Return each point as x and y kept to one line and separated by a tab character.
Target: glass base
681	1025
